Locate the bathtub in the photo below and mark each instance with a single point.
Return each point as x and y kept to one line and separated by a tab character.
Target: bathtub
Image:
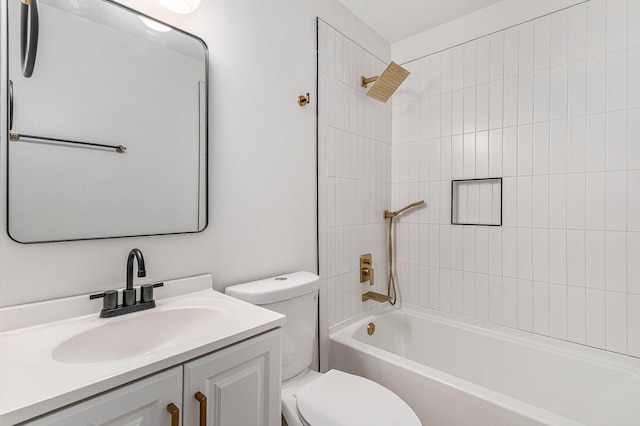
455	371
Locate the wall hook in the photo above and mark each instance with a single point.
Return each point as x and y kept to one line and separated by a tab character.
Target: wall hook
304	100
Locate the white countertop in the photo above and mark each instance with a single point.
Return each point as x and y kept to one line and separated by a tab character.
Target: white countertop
33	383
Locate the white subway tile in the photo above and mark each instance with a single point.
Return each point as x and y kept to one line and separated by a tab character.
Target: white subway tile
457	157
577	88
616	266
434	211
456	247
542	42
596	84
509	252
616	24
469	294
457	112
483	55
495	299
482	249
525	253
482	154
495	153
576	145
510	151
424	116
617	140
558	146
469	155
540	271
457	294
509	201
445	114
596	146
633	15
525	305
595	318
446	71
525	150
596	27
510	302
526	42
617	80
496	67
445	290
616	322
541	134
633	73
510	52
470	64
558	96
576	200
482	107
616	201
434	159
558	311
482	297
434	116
424	69
445	158
558	256
469	249
595	259
576	258
495	250
558	201
445	202
633	200
541	95
633	325
525	98
457	68
633	266
511	101
541	307
559	28
495	104
595	200
469	109
541	201
576	326
577	32
525	201
434	72
633	161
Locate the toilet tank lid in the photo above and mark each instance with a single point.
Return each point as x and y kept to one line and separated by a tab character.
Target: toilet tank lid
276	289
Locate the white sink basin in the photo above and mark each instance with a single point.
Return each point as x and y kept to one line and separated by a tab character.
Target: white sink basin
127	336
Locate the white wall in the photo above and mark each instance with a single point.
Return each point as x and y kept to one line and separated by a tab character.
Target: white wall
553	106
262	147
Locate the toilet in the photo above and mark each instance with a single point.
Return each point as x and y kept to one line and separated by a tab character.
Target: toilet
308	397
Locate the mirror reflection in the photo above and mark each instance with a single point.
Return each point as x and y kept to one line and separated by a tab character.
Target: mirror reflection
109	126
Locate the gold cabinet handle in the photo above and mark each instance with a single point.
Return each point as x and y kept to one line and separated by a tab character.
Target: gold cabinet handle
175	414
203	407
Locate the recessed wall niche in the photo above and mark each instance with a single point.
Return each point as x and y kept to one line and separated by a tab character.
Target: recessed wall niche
476	202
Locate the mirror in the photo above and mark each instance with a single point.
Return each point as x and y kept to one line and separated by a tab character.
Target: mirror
109	131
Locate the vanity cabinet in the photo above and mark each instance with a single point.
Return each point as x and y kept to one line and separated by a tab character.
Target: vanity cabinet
237	385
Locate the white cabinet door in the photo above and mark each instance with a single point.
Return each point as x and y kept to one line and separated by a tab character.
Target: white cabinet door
241	384
142	403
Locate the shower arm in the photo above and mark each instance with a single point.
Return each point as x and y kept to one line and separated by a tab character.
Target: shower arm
388	214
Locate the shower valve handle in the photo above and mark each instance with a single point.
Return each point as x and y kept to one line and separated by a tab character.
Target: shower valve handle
368	273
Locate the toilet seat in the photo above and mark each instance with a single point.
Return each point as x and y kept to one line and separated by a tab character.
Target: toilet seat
338	398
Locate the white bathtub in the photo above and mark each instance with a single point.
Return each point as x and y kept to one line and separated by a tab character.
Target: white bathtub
454	371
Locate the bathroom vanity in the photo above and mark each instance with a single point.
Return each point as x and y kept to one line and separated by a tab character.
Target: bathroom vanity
198	356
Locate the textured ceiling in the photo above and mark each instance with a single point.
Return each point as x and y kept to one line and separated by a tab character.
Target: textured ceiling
396	20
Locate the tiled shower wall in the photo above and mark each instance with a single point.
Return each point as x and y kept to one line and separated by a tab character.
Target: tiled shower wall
553	107
354	177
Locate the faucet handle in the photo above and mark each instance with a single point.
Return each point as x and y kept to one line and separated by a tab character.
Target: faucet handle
110	299
146	292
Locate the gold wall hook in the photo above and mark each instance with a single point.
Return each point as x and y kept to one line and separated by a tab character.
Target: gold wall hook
304	100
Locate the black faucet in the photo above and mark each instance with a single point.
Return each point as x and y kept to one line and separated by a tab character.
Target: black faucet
110	307
129	293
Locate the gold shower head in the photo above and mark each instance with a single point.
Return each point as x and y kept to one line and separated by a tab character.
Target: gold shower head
387	83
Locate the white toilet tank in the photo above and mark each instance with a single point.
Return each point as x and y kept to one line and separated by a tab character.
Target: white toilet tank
296	296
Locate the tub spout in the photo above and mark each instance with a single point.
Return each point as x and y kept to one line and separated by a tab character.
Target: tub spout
375	296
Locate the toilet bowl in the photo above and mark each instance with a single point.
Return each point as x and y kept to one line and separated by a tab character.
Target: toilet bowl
310	398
